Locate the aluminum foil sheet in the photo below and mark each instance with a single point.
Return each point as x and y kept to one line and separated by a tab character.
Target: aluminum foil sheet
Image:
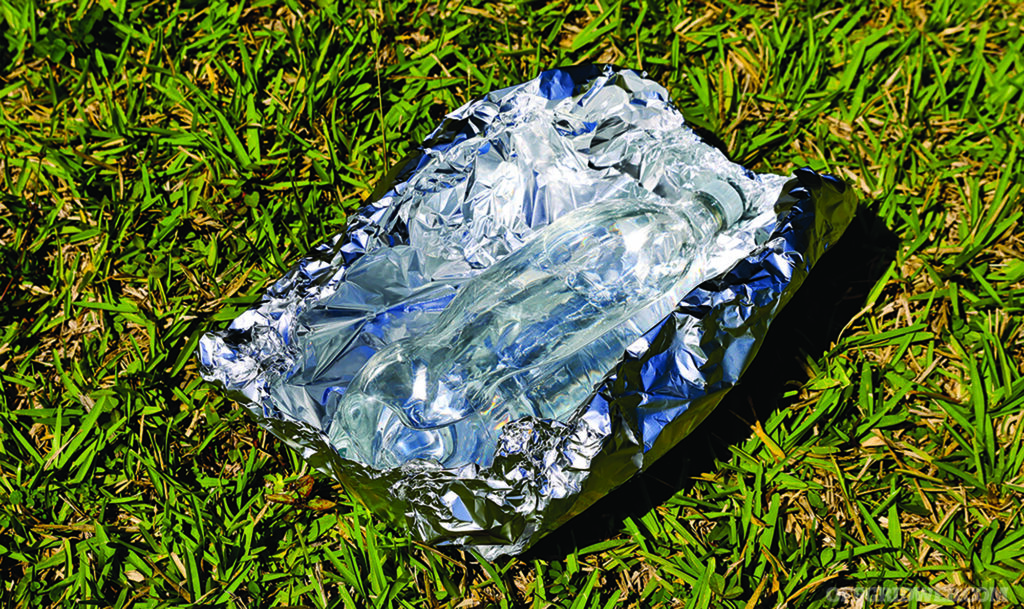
494	173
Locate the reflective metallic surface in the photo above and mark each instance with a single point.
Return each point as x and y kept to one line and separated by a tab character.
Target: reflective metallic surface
492	176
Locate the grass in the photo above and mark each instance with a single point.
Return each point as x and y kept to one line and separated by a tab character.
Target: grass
161	163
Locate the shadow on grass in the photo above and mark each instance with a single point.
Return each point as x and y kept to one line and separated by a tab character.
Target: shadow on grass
831	296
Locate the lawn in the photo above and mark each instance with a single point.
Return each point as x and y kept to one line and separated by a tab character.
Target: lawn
162	163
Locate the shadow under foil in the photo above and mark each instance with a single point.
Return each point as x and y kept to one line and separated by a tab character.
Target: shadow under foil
830	297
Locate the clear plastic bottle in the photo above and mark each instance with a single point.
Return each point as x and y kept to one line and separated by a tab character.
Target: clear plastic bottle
534	333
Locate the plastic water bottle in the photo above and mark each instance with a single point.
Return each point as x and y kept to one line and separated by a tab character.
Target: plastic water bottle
534	333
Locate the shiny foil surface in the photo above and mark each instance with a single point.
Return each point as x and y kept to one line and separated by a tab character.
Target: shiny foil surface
494	173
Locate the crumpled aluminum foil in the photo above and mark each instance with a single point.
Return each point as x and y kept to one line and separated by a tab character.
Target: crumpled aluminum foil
497	170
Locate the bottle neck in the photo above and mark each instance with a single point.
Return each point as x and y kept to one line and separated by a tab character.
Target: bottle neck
722	199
